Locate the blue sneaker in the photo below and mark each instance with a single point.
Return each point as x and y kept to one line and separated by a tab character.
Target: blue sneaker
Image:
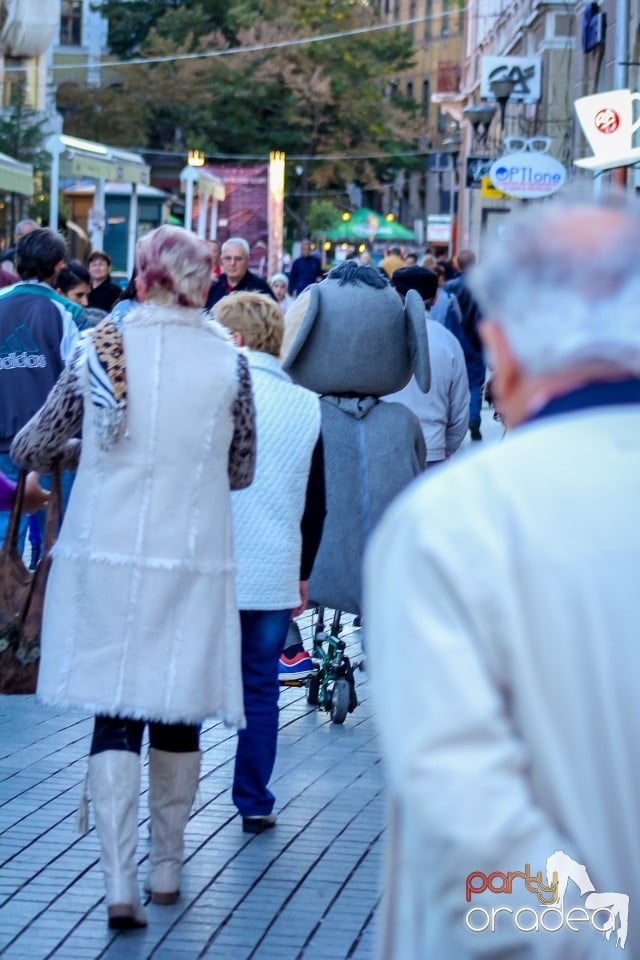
297	667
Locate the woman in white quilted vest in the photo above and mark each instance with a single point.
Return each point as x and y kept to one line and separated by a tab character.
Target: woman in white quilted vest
277	525
141	622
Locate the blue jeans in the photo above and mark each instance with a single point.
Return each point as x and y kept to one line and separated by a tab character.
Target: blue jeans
264	634
36	522
475	404
9	468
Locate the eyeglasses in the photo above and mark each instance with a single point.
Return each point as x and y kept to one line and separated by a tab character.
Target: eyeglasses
535	144
234	259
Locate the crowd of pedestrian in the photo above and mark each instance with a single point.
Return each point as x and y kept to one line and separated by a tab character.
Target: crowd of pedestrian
239	449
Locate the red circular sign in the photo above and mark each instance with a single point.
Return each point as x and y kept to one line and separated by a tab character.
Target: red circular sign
607	120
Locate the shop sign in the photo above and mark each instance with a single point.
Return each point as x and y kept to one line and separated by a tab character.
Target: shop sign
526	73
438	228
489	192
527	175
477	169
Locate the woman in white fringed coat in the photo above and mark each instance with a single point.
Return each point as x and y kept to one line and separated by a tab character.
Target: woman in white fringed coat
140	620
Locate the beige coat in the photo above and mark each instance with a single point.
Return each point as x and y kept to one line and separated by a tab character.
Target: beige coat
140	616
502	640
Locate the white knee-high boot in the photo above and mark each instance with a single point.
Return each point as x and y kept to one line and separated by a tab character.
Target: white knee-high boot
114	781
173	782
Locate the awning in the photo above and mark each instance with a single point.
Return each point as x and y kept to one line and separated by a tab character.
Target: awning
15	177
366	224
211	186
85	158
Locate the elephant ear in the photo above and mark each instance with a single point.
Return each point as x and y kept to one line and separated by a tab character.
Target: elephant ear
417	340
298	324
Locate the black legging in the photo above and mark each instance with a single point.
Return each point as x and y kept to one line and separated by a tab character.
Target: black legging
119	733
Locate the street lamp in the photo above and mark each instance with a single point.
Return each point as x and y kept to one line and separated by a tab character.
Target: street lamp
479	115
502	90
451	146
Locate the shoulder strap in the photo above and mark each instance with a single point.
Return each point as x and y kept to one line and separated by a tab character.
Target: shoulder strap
10	544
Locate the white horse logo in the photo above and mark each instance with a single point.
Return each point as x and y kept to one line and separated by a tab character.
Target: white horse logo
616	904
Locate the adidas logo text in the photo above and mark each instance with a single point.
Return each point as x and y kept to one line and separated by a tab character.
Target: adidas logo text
13	360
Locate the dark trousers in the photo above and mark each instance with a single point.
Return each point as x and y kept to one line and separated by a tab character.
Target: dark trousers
264	633
119	733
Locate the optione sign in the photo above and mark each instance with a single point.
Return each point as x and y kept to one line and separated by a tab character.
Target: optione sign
527	175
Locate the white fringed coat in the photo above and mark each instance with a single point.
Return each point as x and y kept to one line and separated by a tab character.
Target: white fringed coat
140	616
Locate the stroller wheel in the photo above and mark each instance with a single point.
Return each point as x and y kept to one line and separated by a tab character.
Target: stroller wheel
313	689
340	700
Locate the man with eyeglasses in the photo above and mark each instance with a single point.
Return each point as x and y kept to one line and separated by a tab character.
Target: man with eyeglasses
236	275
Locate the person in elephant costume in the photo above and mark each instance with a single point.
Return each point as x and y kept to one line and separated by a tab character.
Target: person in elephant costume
352	340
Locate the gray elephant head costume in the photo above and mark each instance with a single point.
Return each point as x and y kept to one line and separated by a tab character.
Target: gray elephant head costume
351	339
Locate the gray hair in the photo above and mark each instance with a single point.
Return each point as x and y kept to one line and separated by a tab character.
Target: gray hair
350	271
563	281
239	241
20	228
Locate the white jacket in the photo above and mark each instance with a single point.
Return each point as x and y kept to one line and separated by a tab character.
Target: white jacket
140	616
510	722
267	515
443	412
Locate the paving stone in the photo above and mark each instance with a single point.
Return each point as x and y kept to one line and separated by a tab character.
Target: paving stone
303	890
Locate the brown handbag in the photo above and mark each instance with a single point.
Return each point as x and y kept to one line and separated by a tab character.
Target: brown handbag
22	595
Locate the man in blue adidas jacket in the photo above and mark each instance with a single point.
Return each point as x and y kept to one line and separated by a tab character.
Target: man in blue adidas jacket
37	337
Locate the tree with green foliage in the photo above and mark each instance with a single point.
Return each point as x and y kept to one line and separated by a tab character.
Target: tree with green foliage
314	100
179	21
22	136
321	216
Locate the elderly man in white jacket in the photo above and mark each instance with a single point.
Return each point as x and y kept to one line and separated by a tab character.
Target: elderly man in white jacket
512	750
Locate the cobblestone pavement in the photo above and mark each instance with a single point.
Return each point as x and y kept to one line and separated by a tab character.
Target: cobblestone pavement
309	888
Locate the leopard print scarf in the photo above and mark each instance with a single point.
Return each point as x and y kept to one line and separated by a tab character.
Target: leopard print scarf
108	382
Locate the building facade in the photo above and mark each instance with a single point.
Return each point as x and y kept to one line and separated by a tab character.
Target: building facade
438	35
557	52
80	44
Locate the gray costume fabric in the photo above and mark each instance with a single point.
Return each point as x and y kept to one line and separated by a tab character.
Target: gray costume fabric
356	341
362	478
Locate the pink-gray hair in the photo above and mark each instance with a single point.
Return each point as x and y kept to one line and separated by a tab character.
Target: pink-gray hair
174	266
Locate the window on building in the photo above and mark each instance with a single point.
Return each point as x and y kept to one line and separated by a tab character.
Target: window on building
71	23
409	89
428	13
444	22
19	82
426	97
449	76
